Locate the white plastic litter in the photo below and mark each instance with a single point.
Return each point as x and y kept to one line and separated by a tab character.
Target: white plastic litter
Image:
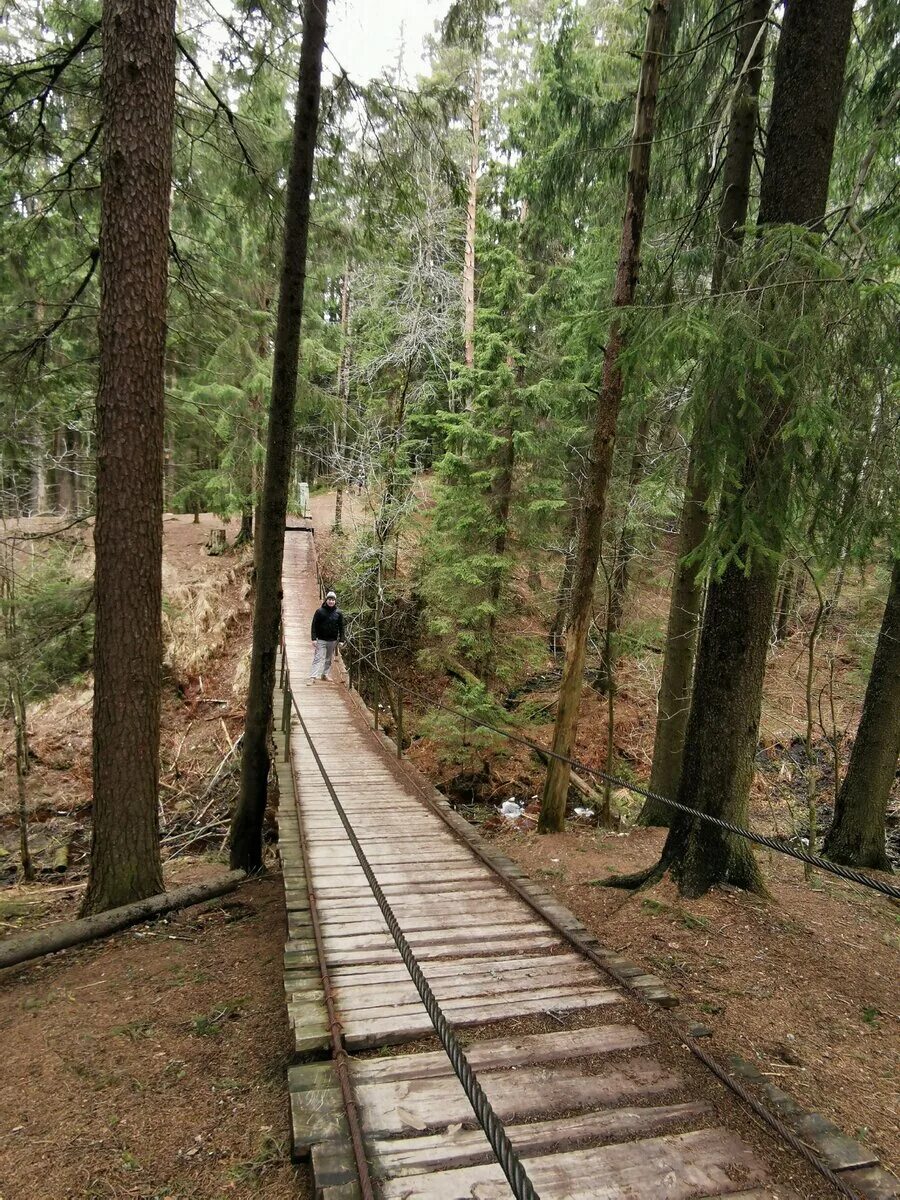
511	809
584	812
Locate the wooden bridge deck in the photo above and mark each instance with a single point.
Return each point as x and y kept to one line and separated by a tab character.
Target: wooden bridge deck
569	1060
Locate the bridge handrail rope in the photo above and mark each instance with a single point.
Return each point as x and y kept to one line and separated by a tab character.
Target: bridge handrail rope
805	856
509	1161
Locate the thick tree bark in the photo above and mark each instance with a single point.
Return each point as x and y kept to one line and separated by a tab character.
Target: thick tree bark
856	836
245	533
471	215
685	603
343	390
247	821
137	106
686	600
564	591
624	553
723	725
553	803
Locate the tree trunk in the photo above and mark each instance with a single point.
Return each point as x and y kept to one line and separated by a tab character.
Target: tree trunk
686	600
343	390
563	592
724	719
170	484
62	473
138	98
247	821
856	836
674	701
38	497
62	934
501	502
20	720
624	554
74	463
553	803
245	533
789	594
471	214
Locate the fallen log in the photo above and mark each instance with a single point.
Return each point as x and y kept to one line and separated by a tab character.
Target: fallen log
577	783
88	929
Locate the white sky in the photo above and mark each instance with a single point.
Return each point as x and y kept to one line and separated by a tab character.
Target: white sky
365	36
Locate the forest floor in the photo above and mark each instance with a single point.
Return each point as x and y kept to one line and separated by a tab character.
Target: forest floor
152	1064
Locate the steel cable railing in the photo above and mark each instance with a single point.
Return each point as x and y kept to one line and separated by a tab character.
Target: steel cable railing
776	844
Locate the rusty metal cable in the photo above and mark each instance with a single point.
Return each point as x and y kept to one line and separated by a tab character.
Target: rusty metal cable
760	839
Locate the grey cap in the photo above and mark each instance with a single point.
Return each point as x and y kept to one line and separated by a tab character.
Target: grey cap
331	595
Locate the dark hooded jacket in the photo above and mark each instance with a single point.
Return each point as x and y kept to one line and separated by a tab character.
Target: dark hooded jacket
328	624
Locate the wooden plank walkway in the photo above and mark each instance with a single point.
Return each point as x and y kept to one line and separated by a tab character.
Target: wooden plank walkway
593	1104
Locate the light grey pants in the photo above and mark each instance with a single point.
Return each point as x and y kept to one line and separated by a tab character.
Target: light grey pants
323	657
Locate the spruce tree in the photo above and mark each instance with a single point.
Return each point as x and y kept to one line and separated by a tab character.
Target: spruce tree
138	94
856	836
553	802
723	726
247	820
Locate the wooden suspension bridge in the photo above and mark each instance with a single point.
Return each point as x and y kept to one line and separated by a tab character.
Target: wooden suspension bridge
598	1097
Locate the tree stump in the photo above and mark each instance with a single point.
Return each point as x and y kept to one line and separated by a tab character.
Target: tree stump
217	542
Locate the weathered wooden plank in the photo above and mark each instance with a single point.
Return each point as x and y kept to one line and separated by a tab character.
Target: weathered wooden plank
400	879
364	1032
471	975
397	856
393	1108
393	1157
335	1168
317	1115
495	1054
334	940
341	957
377	973
447	906
873	1183
485	886
712	1162
357	999
429	921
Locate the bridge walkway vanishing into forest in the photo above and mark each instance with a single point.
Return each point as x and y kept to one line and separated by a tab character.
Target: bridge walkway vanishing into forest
598	1097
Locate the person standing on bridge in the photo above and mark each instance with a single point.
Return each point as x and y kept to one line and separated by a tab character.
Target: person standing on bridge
327	631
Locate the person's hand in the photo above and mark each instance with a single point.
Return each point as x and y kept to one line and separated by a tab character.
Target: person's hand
313	642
